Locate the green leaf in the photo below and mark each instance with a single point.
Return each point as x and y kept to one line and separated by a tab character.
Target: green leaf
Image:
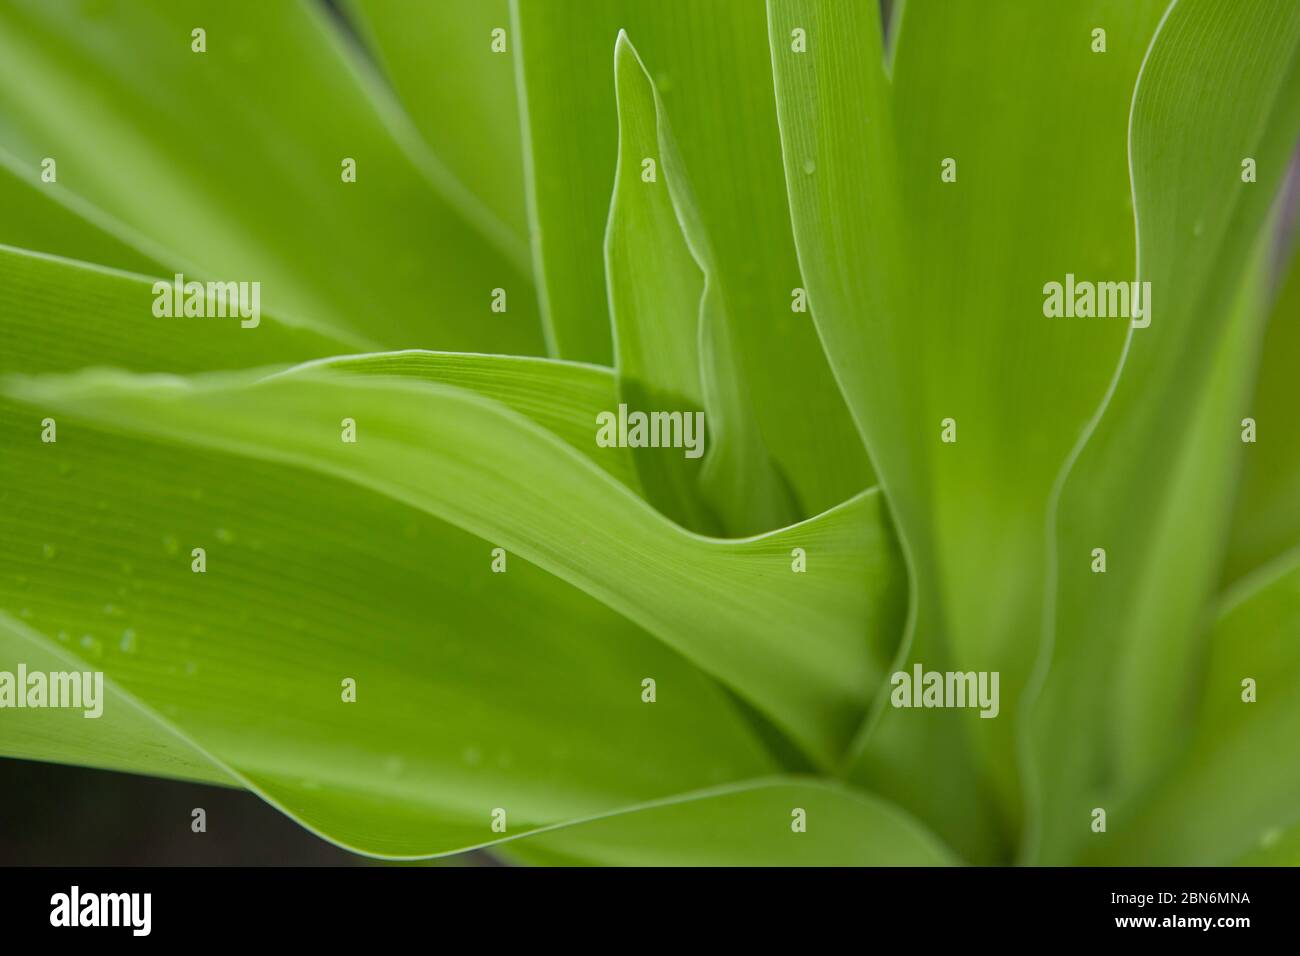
928	296
729	605
749	824
1153	484
227	165
710	67
671	341
1234	793
439	56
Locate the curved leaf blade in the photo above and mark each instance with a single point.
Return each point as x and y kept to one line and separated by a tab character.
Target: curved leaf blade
493	473
670	331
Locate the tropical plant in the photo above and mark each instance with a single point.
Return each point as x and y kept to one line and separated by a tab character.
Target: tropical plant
370	556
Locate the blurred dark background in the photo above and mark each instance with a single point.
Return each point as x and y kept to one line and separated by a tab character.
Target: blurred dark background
51	815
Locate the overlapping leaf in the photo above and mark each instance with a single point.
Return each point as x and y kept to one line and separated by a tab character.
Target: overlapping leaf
851	592
934	189
235	674
928	294
1154	485
483	468
710	66
142	615
218	163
